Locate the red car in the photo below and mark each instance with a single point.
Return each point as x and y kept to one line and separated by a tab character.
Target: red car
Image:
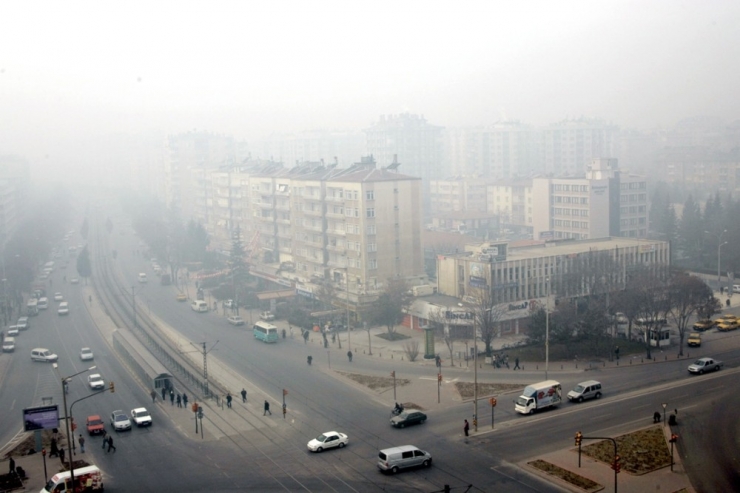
95	425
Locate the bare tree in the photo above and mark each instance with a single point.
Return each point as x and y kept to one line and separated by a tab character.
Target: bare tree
687	294
439	321
651	289
327	294
411	348
486	316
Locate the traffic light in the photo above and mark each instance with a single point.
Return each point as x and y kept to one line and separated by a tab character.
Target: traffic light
393	374
439	377
616	465
285	409
111	387
579	438
674	438
74	425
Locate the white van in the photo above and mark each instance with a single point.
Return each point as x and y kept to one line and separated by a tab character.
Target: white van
590	389
199	306
42	303
142	277
43	354
396	458
9	344
90	477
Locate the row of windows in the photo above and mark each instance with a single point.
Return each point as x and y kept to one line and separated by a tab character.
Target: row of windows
633	197
571	224
633	209
635	185
342	194
633	221
557	211
570	200
569	188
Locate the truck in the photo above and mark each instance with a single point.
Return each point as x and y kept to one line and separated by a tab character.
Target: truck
88	478
424	290
539	396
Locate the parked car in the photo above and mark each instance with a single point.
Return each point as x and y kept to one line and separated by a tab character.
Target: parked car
22	323
86	354
120	421
703	365
330	439
267	315
181	297
728	324
141	417
95	424
705	324
95	381
407	418
235	320
12	330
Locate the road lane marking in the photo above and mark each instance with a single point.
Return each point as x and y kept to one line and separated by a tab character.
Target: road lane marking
601	416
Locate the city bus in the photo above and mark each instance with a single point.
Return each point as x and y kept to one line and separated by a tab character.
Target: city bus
265	331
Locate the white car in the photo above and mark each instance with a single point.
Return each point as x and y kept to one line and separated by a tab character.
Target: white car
95	381
120	421
328	440
74	280
58	297
141	416
235	320
63	308
86	354
12	330
22	323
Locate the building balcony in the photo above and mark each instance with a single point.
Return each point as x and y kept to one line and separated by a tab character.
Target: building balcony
336	232
336	248
335	215
283	221
334	198
267	218
317	229
313	213
264	205
316	197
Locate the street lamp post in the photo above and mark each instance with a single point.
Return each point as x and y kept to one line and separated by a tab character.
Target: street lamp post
547	328
70	438
346	300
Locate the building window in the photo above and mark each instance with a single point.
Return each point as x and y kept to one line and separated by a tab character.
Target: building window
372	264
370	195
371	229
372	247
370	212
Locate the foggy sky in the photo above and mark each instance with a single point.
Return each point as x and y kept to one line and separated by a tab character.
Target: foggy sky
75	76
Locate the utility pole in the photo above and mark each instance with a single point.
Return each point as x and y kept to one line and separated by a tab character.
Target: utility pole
202	349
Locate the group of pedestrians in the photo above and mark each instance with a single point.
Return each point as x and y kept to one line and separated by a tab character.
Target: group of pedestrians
108	440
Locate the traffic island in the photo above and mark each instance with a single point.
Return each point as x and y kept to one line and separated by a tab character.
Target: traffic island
568	476
641	452
467	389
374	382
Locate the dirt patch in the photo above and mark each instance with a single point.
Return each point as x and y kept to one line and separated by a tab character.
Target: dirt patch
374	382
392	336
567	476
467	389
640	452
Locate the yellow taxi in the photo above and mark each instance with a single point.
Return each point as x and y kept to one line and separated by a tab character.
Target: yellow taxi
705	324
725	325
181	297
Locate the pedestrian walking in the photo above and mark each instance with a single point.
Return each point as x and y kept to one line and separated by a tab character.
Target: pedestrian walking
54	449
244	395
466	427
656	417
179	400
172	397
305	337
12	465
516	363
163	392
61	454
228	399
110	444
105	439
153	393
81	441
184	399
349	356
267	409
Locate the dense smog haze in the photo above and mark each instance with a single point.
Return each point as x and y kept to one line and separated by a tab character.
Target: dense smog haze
86	87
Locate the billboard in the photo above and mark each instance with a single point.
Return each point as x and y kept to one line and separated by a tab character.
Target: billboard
41	418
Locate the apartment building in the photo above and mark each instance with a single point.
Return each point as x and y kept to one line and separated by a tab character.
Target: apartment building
606	202
338	147
523	279
511	200
502	150
569	146
458	193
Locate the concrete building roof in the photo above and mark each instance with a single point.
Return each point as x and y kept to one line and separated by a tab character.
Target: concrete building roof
572	247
